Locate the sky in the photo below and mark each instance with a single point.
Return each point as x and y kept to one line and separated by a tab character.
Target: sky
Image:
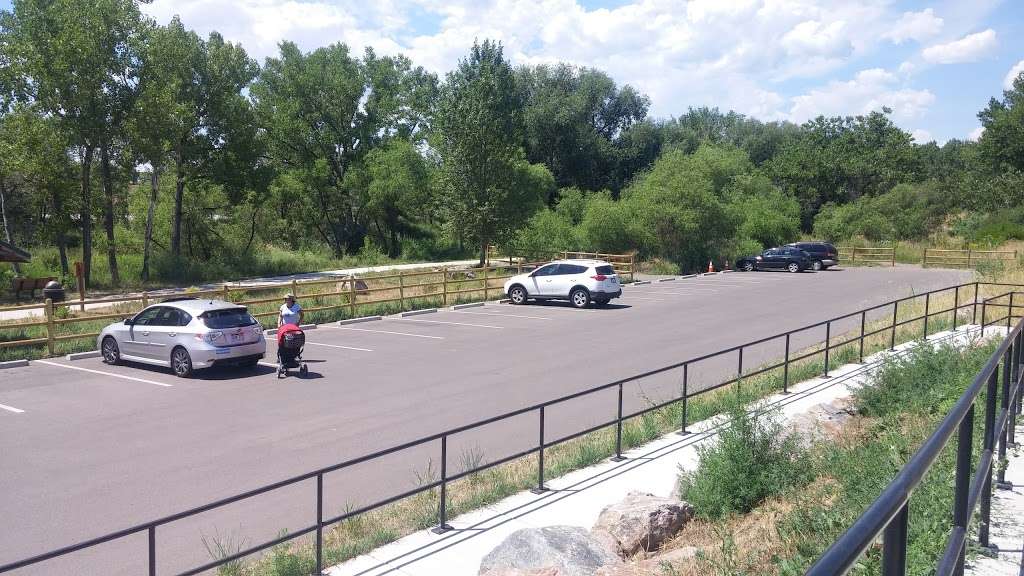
934	63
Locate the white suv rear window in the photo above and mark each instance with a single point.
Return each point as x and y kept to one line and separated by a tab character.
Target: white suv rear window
606	270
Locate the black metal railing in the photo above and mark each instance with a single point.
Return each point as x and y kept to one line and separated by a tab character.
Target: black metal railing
889	515
687	392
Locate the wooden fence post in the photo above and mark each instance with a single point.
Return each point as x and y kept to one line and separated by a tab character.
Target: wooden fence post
853	256
227	293
401	290
145	299
49	326
295	288
444	273
632	266
968	257
352	296
894	255
486	287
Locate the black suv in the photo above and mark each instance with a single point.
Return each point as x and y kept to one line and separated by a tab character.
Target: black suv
781	258
823	254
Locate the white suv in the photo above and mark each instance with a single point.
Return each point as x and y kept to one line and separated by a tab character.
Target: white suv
578	281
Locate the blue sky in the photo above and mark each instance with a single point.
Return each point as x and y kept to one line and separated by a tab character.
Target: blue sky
935	63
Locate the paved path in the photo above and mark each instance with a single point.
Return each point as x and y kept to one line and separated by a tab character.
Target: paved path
96	448
1007	531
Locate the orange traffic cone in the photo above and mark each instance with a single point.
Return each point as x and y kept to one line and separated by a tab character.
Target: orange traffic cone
711	267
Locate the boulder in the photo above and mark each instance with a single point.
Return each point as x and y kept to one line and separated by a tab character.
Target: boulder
822	420
569	550
642	522
654	565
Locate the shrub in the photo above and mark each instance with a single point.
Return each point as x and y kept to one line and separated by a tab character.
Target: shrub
754	458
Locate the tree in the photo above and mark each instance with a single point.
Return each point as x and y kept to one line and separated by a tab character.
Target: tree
322	113
574	118
75	58
397	190
1002	142
489	187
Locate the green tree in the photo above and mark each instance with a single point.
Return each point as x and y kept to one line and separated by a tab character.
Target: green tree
1002	142
488	186
398	190
74	59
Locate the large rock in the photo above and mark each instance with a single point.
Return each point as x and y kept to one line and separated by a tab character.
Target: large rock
823	420
570	550
657	564
642	522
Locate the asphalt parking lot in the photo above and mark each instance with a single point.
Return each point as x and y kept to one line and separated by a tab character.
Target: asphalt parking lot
89	448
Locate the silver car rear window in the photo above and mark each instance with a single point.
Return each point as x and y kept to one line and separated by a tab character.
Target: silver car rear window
227	318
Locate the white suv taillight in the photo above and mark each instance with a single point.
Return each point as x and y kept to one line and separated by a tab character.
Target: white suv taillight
599	277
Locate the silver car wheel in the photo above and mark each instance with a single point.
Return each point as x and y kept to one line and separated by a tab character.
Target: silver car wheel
517	295
748	266
580	299
817	266
793	267
181	363
110	351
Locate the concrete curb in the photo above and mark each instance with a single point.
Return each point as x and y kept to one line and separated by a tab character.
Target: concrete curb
502	301
83	355
13	364
688	276
461	306
665	279
641	282
307	326
358	320
417	312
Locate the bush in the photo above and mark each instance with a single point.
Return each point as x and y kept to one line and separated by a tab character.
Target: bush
754	458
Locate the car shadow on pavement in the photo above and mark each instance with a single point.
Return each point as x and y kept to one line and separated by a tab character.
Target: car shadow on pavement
557	304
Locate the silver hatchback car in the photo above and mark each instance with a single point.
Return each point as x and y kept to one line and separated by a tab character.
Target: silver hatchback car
186	334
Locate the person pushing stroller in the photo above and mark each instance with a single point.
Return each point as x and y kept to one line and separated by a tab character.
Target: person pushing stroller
290	338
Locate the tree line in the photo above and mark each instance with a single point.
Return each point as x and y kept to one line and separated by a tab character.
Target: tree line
146	142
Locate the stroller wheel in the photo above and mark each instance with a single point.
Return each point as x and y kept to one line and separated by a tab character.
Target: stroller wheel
303	370
281	371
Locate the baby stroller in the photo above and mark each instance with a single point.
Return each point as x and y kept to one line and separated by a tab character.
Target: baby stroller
290	340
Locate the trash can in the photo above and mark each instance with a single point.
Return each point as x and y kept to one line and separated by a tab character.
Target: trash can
54	291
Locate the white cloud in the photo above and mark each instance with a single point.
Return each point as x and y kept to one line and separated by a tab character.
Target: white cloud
922	136
812	37
975	134
967	49
870	90
1012	75
915	26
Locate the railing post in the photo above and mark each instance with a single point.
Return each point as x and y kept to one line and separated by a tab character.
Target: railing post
785	368
444	298
863	319
894	544
828	342
988	443
895	309
984	312
442	507
739	370
893	263
618	432
227	293
686	394
1004	433
1009	312
152	550
927	308
319	524
50	342
853	257
352	296
956	306
540	467
486	289
145	299
974	318
401	290
964	446
968	257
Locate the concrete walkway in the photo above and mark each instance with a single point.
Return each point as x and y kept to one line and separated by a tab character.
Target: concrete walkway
578	498
265	281
1007	530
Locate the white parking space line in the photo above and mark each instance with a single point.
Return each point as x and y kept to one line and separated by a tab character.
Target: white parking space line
338	346
450	323
687	293
506	315
631	297
102	373
385	332
11	409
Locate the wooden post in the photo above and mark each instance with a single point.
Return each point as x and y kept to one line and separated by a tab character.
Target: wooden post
632	266
227	293
295	288
444	273
145	299
49	326
401	290
486	288
352	296
894	255
80	281
968	257
853	256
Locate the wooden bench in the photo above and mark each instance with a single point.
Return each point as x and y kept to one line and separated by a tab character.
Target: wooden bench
19	285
